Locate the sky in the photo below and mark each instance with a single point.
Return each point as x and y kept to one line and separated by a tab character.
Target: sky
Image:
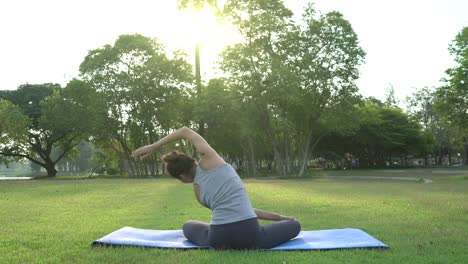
406	41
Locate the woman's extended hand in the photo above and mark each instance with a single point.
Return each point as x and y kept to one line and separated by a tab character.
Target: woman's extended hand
265	215
145	151
284	217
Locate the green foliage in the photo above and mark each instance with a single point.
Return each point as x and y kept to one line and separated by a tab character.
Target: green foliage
382	133
13	123
29	96
71	110
144	91
390	99
217	107
421	107
388	131
13	127
439	134
452	99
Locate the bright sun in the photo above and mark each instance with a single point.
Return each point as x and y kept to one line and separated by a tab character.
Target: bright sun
205	28
200	24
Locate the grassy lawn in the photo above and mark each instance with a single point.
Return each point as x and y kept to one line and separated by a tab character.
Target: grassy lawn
44	221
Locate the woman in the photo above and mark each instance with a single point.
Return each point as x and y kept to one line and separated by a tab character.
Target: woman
234	223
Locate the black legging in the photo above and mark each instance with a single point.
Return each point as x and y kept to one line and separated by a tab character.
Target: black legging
246	234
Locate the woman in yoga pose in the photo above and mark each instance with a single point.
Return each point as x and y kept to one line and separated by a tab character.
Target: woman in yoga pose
234	223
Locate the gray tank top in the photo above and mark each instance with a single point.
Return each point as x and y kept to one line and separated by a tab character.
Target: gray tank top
222	191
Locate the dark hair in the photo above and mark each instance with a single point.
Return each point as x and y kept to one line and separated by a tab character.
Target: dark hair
178	163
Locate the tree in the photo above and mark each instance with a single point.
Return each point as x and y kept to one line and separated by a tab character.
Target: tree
144	91
439	134
452	98
293	74
384	133
40	118
197	5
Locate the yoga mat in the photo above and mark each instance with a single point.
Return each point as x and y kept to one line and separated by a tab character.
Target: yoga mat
306	240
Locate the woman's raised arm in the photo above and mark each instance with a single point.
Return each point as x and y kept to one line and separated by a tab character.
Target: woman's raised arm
206	151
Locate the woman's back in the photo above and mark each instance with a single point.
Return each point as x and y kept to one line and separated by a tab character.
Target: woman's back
221	190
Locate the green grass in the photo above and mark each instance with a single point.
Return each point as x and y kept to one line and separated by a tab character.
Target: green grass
55	221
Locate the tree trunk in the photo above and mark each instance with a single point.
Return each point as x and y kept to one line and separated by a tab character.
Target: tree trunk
305	155
465	150
251	154
201	124
278	162
50	168
449	157
309	149
276	153
370	161
287	159
152	167
144	165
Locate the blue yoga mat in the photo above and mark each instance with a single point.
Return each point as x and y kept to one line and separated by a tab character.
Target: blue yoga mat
306	240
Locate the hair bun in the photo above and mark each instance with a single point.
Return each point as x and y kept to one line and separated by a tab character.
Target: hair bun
178	163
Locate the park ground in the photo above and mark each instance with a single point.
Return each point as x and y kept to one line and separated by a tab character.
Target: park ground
56	220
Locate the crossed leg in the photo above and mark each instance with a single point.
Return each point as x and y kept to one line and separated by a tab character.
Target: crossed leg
277	233
197	232
267	236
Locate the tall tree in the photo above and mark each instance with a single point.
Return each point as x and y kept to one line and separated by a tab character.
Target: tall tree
295	74
452	99
144	89
439	134
197	5
255	66
328	69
